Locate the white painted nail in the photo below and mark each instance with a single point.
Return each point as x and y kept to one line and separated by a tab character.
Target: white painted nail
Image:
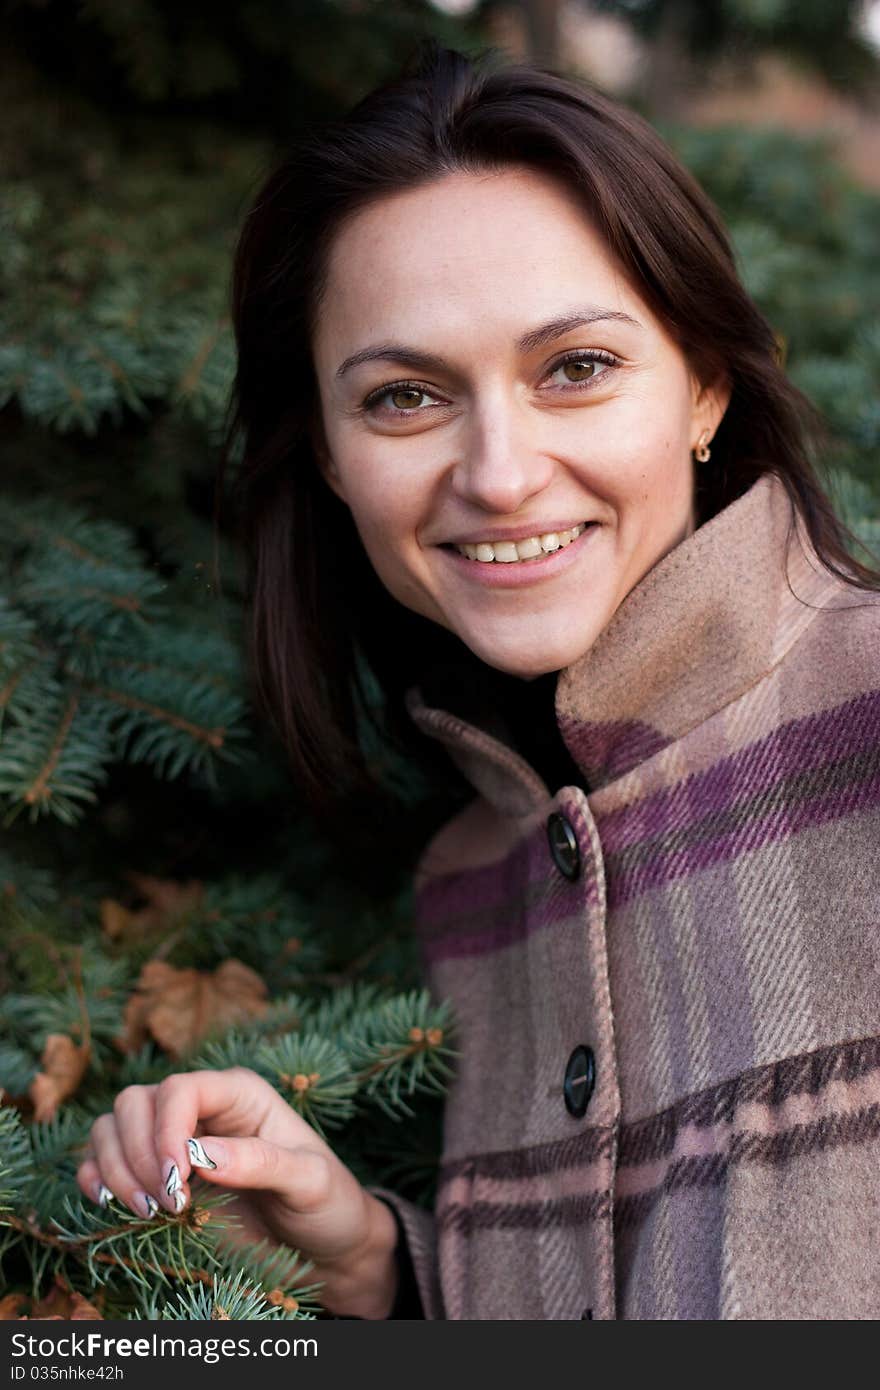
172	1182
151	1204
104	1195
179	1199
198	1157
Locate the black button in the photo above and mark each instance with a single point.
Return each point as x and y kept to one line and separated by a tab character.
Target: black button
580	1078
563	846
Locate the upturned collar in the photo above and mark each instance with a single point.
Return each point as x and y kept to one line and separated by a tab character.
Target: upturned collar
707	622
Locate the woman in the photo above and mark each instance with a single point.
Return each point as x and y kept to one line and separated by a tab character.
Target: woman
516	439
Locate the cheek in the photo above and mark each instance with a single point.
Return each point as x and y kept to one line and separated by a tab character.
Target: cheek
386	507
386	523
382	529
400	575
639	440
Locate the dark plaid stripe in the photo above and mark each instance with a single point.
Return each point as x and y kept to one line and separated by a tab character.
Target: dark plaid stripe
797	745
805	1074
477	911
654	1138
448	902
645	1140
586	1147
524	1216
828	1132
479	931
756	796
612	748
760	795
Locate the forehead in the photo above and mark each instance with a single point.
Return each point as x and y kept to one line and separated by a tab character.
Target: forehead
506	245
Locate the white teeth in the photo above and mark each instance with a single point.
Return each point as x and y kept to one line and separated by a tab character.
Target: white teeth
527	550
508	551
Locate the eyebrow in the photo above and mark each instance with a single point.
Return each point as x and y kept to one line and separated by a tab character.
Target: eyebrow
534	338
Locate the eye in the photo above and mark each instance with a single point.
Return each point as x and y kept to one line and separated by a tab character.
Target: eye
588	360
397	392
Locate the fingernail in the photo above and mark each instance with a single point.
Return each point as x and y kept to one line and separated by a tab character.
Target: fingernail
174	1186
150	1203
197	1156
103	1195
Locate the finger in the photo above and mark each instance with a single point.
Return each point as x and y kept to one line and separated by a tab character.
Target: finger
134	1111
114	1171
302	1175
89	1178
231	1101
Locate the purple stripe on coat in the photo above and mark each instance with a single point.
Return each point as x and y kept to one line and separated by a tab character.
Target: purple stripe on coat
755	798
477	911
612	748
816	741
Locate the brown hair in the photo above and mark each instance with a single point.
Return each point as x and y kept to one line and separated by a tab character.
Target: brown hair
323	630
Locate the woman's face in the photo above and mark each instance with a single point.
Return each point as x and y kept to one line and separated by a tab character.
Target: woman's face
489	381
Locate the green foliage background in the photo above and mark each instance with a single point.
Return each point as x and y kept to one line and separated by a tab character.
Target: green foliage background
132	139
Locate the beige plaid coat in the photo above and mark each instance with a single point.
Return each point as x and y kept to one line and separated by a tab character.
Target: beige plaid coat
667	1099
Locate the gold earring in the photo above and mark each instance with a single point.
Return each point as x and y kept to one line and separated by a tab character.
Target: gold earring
703	451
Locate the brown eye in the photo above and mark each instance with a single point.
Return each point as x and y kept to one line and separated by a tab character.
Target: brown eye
404	397
587	370
584	369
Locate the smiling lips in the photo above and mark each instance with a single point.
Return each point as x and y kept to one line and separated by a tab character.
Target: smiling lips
507	552
501	572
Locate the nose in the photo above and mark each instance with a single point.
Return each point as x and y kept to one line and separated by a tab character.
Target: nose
502	464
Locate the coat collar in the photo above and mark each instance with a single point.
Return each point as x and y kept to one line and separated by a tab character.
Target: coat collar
710	619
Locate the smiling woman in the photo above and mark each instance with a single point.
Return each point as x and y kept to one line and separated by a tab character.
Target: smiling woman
517	445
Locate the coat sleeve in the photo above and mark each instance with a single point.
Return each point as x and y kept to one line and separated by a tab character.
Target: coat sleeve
419	1293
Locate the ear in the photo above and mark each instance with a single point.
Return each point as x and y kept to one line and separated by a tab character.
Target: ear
323	458
710	404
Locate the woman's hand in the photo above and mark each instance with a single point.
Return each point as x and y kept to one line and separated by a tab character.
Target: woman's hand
240	1135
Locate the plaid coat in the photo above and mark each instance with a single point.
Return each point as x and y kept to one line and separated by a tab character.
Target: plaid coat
667	1101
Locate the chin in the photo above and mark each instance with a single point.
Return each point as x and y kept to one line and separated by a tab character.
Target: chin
528	664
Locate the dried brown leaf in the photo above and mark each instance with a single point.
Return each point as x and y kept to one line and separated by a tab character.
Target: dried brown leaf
64	1303
178	1008
10	1307
63	1066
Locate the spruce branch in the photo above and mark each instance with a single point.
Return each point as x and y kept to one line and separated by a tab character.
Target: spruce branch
227	1298
94	671
15	1155
402	1047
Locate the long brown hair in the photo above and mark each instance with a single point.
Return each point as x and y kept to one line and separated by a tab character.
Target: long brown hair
328	646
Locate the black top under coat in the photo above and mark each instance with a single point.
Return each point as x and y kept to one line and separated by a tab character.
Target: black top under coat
520	712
